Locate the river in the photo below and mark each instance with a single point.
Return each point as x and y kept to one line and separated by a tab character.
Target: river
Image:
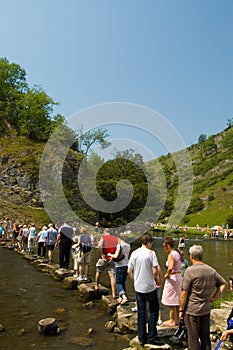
28	295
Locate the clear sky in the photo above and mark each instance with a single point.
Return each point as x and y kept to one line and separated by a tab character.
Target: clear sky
175	57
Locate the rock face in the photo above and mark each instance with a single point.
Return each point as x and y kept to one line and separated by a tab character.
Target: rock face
18	186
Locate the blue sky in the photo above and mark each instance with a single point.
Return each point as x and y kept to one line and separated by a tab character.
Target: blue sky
175	57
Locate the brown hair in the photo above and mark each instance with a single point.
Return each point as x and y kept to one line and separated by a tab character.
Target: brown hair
169	241
146	238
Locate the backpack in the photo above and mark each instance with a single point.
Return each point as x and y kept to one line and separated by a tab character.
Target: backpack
120	257
85	243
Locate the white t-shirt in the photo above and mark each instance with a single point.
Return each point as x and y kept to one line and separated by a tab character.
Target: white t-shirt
125	249
141	262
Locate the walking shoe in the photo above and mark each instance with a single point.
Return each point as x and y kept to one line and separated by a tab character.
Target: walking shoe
156	341
123	300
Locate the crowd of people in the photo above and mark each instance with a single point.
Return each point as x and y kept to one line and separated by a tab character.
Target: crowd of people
187	290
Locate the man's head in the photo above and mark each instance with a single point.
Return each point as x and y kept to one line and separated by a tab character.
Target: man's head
107	231
196	252
146	238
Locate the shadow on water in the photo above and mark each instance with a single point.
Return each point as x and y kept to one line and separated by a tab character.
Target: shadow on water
28	295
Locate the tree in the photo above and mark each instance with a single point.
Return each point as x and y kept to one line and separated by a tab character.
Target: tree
202	138
13	85
35	116
227	140
28	111
229	122
86	140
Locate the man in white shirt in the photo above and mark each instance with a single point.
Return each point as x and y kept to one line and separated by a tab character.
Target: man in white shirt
143	269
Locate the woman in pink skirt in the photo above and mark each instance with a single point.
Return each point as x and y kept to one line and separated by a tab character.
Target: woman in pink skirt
173	279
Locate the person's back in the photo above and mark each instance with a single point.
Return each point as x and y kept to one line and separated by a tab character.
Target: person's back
85	243
201	285
143	277
203	279
144	272
109	245
51	236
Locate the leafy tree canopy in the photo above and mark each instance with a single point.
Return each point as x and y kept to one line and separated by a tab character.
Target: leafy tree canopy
28	111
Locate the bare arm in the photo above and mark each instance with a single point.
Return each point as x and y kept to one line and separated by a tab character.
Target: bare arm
183	300
58	239
157	273
130	273
170	266
226	333
116	254
218	293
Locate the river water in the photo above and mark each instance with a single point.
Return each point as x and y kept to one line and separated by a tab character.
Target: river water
28	295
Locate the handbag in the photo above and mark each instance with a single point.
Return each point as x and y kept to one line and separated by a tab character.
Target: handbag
181	331
120	257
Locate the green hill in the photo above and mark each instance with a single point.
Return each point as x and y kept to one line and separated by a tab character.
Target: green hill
212	163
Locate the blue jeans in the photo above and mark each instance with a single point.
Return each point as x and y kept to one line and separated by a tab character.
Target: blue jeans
152	299
121	275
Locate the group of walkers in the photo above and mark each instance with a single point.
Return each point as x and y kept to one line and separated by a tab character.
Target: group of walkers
188	297
187	294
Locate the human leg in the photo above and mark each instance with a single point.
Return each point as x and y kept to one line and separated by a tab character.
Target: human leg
61	255
153	301
121	274
141	305
67	248
111	273
97	279
113	283
39	246
192	324
205	332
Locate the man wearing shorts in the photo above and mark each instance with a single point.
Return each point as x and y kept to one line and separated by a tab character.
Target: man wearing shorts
107	245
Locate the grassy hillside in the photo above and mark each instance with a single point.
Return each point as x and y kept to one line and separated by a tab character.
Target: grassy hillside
212	163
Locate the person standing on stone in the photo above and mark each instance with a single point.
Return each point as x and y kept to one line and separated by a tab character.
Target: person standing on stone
143	270
82	254
201	285
107	244
31	239
64	241
172	285
41	242
122	253
51	241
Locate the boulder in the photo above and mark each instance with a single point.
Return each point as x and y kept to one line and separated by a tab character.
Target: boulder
87	291
59	275
109	304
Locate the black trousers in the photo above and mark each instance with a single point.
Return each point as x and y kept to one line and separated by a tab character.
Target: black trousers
64	253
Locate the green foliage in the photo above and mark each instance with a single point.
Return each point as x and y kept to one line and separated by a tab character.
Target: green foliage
86	140
27	111
202	138
227	140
